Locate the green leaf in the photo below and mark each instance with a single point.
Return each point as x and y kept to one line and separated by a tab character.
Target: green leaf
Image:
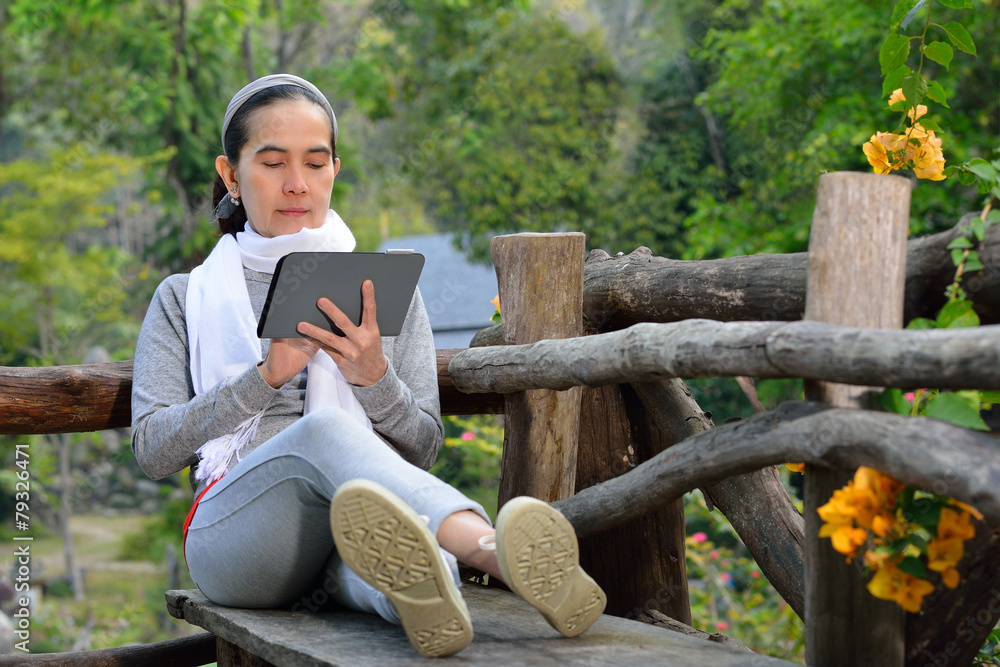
960	242
992	216
940	53
894	80
912	565
893	401
989	396
936	92
957	315
957	4
972	262
924	512
956	410
957	256
929	123
978	228
967	177
959	37
983	169
950	170
895	49
914	88
900	11
918	323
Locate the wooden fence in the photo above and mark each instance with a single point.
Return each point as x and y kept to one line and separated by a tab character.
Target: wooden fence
599	421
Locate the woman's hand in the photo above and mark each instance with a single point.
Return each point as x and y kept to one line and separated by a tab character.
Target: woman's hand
358	353
286	357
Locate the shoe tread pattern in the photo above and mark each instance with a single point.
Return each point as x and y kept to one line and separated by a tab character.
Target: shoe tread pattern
545	555
388	549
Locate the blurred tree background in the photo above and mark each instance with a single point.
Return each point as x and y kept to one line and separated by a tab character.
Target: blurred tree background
695	128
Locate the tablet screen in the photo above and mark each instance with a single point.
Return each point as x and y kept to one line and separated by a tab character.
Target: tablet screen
301	278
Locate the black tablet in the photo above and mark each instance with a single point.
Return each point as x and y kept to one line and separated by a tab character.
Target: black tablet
302	278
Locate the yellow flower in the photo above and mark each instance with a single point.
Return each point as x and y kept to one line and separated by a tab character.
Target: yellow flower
886	583
796	467
944	554
897	96
877	157
911	595
950	578
845	538
496	302
928	160
953	524
891	583
970	509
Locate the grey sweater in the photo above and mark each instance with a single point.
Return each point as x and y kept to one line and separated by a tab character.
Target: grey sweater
170	423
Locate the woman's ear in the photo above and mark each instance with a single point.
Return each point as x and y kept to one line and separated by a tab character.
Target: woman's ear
336	166
227	172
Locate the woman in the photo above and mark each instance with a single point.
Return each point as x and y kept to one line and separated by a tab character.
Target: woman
309	455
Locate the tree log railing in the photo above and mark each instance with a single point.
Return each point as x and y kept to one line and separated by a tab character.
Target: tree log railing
730	463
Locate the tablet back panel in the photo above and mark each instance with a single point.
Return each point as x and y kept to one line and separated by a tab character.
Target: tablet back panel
302	278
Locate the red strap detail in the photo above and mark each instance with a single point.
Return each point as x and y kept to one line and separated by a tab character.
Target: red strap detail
190	516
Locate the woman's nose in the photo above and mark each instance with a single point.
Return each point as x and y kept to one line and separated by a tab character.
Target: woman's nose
295	183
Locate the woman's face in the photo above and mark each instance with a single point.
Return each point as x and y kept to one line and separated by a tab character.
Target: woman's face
286	169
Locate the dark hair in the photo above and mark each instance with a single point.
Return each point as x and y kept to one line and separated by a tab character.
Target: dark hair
238	134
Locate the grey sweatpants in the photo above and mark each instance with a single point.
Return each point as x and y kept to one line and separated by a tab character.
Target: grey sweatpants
261	538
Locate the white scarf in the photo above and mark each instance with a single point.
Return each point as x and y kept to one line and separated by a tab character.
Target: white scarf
222	329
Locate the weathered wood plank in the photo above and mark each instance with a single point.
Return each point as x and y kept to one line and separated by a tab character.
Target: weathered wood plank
540	279
507	632
920	452
638	287
942	358
180	652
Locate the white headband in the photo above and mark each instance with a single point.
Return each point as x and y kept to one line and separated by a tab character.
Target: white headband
251	89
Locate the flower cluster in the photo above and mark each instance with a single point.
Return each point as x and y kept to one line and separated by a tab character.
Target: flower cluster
882	515
917	149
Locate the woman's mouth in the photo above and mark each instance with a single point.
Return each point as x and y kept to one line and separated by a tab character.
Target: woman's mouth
293	212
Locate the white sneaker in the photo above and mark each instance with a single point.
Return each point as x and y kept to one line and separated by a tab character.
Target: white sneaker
539	558
388	545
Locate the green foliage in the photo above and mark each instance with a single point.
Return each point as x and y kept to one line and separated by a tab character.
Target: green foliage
64	291
794	85
728	592
470	458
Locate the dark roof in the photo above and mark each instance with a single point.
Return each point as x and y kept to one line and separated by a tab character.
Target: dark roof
456	293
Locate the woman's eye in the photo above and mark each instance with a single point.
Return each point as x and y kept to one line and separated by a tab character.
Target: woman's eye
317	166
271	164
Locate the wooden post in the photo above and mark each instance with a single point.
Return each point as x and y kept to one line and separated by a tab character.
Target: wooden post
857	271
641	564
540	277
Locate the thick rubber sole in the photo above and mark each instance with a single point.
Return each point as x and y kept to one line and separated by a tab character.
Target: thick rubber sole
388	545
539	557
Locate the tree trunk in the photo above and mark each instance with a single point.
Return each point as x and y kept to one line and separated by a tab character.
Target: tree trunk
66	514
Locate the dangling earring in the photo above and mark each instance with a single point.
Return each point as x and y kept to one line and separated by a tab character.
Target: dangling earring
236	200
227	206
